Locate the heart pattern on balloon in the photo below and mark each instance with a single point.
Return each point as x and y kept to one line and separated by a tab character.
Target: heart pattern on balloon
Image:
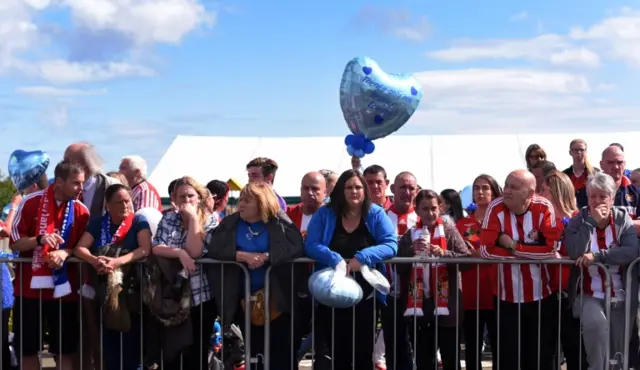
375	103
26	168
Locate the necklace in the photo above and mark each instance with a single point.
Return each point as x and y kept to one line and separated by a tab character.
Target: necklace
251	234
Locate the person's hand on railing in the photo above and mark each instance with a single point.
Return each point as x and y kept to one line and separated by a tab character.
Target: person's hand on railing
187	262
585	260
55	259
253	260
435	250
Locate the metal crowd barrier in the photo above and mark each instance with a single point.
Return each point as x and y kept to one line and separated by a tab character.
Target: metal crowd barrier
263	360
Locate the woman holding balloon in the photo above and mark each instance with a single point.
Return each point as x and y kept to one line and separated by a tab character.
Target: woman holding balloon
350	228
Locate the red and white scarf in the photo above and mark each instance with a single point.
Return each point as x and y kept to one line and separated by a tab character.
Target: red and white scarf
42	277
427	279
87	290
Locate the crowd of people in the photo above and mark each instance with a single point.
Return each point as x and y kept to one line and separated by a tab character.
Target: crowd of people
110	312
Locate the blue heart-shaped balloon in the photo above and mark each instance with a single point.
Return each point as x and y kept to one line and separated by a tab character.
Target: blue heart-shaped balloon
26	168
375	103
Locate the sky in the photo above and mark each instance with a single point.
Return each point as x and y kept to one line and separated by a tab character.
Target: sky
130	75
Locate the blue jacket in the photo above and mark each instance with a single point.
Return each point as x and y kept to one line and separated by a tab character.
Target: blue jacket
7	284
320	231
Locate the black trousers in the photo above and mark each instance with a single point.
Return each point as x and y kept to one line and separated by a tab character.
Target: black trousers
473	326
202	318
429	339
519	342
349	349
397	344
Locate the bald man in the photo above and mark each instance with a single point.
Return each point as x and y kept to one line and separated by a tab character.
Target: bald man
521	224
313	190
628	197
96	183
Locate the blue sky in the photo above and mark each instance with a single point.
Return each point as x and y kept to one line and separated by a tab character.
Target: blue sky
130	75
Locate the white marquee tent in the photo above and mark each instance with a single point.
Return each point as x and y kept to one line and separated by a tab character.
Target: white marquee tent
439	162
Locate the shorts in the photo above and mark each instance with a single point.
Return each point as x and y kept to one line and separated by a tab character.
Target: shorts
61	318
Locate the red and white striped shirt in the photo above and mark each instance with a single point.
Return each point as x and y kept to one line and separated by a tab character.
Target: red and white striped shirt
537	237
594	278
145	195
402	222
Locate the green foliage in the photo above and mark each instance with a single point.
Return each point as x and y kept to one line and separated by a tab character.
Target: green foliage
6	190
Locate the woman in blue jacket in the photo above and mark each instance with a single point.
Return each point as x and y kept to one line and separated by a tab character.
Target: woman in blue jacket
350	228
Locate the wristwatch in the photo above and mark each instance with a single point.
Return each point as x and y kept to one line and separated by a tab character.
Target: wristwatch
39	240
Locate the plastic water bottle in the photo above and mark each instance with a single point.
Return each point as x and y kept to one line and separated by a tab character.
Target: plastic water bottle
426	236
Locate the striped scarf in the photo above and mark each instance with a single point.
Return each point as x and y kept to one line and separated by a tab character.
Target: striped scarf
427	279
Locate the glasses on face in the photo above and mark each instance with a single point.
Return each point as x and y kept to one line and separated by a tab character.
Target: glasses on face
578	150
536	156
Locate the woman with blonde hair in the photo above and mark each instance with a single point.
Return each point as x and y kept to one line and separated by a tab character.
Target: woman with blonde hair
558	189
259	236
580	170
180	235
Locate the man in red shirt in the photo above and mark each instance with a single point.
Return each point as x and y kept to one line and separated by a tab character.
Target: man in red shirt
145	195
376	178
47	227
521	224
313	191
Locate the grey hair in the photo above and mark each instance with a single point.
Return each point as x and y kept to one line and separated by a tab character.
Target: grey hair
136	162
91	159
603	182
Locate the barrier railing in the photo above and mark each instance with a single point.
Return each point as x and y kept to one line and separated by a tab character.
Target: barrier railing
261	358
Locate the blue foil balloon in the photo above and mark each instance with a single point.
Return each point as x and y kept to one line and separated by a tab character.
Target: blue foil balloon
334	291
375	103
5	212
466	196
26	168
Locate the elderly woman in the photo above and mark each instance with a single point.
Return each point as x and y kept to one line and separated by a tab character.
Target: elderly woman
111	242
601	233
180	235
350	227
259	235
442	332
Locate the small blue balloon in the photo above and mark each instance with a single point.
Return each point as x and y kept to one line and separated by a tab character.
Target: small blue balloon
350	150
348	140
358	142
375	103
5	211
466	196
358	153
26	168
334	291
369	147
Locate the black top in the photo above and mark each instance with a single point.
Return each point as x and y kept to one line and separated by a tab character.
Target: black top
347	244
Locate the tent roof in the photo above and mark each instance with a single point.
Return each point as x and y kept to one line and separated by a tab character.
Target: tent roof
439	162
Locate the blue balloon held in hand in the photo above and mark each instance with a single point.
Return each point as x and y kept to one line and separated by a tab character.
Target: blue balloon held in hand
375	103
334	288
26	168
466	196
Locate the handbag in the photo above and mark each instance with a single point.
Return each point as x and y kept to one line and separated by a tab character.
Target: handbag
257	308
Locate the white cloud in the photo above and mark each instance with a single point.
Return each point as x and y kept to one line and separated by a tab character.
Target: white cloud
551	48
399	23
519	16
141	23
618	36
151	21
50	91
613	38
516	100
